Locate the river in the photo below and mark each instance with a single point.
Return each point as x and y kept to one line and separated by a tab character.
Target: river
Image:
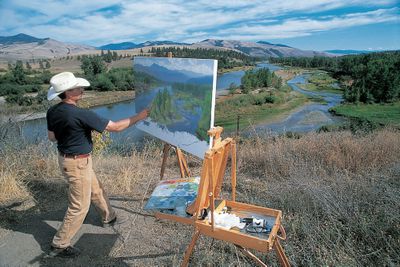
307	118
234	77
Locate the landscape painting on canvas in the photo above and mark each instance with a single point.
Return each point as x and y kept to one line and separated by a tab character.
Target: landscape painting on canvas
180	93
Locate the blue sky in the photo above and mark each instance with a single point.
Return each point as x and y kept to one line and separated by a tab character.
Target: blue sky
308	24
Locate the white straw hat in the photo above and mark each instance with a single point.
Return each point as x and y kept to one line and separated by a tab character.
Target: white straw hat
64	81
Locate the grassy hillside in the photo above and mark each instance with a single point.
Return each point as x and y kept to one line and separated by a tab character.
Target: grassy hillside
339	192
384	114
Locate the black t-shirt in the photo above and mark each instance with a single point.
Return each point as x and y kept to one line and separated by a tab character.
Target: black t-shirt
72	127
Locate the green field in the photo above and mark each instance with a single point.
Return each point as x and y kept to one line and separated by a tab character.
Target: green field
384	114
253	109
321	81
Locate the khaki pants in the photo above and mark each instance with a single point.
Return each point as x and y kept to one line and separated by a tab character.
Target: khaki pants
83	189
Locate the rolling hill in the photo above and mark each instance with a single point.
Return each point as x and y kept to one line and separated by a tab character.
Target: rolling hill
130	45
25	47
261	48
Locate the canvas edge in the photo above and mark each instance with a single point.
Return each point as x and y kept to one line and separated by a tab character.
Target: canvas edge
213	99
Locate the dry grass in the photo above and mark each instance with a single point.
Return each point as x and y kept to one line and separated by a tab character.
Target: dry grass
123	175
339	192
11	189
22	165
321	154
38	162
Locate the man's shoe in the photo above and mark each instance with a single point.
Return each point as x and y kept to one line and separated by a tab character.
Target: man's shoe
68	252
110	223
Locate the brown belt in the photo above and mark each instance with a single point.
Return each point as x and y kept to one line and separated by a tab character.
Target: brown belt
70	156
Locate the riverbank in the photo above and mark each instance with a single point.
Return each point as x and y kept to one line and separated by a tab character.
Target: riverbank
321	81
253	109
241	68
380	114
90	99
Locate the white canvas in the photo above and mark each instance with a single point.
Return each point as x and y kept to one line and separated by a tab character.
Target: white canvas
181	95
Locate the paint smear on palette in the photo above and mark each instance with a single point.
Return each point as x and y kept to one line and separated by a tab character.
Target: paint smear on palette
174	194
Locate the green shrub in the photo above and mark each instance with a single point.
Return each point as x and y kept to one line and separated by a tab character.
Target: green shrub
122	78
41	97
9	89
257	100
103	83
20	99
15	89
270	99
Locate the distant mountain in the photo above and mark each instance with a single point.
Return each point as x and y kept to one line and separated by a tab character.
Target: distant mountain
154	43
168	75
118	46
130	45
26	47
20	39
261	48
349	52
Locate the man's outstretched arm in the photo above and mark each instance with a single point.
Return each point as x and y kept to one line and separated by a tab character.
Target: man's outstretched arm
123	124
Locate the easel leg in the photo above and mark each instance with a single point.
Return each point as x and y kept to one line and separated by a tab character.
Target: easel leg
190	248
252	256
233	171
280	253
183	167
164	161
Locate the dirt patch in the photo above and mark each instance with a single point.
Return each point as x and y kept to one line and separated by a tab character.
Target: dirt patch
137	239
285	74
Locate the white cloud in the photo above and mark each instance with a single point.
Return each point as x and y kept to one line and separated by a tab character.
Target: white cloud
180	20
305	26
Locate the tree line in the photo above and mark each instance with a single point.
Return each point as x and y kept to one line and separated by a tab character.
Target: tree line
259	78
369	78
19	80
227	59
95	68
102	79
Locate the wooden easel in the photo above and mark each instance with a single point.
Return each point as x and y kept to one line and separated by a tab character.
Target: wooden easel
183	166
212	174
